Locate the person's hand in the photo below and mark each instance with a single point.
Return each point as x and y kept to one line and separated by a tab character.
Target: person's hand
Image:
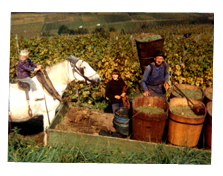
39	66
117	97
166	86
123	94
146	93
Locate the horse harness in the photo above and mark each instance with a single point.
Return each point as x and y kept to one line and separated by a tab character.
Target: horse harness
80	71
46	83
25	87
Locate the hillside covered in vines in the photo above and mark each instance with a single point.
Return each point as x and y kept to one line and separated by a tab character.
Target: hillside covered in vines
189	51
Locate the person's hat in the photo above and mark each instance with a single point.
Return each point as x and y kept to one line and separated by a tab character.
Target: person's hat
24	53
159	53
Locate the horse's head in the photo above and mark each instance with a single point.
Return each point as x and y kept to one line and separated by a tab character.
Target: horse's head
82	71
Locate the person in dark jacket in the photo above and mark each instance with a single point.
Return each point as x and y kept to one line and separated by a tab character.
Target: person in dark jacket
155	78
114	90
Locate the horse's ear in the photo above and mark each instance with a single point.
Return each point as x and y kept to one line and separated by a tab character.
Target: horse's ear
73	59
69	59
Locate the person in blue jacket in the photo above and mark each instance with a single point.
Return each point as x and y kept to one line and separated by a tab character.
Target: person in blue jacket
155	78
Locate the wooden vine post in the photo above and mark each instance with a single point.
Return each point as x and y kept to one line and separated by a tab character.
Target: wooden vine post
132	44
117	42
17	44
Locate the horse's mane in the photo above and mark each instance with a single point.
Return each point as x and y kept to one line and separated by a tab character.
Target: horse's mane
58	73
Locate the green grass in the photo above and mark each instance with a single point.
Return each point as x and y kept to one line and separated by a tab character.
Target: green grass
27	20
28	151
56	25
140	16
31	29
19	16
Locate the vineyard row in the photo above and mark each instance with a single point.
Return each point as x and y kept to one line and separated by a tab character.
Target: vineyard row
190	59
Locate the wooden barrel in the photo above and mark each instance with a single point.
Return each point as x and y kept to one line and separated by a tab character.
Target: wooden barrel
206	91
146	50
148	126
208	126
187	86
184	131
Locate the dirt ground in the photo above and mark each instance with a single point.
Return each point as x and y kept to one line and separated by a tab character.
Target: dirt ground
85	120
77	119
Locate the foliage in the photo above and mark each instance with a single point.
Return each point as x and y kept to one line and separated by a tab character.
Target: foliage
100	32
78	31
28	151
133	94
144	26
65	30
112	29
190	60
46	34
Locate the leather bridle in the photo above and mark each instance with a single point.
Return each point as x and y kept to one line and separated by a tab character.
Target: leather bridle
80	72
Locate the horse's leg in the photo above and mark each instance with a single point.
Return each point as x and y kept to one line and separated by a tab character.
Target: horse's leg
46	124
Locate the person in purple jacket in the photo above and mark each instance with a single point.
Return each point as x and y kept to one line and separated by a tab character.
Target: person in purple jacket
24	67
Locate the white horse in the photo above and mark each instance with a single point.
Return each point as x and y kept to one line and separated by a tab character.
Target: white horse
60	75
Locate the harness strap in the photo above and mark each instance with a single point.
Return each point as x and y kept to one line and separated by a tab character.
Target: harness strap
50	84
47	84
92	75
73	65
78	71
